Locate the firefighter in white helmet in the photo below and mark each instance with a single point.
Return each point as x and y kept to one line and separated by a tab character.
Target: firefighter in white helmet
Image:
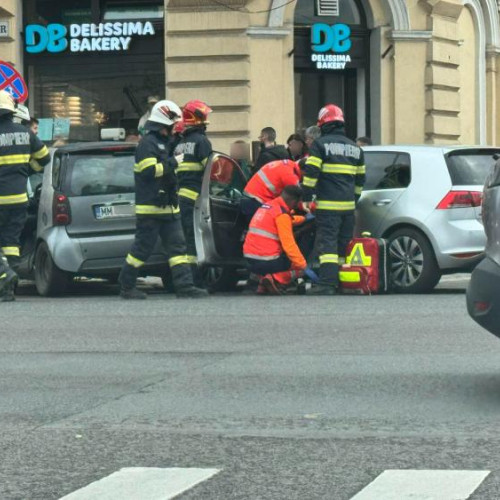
20	152
157	206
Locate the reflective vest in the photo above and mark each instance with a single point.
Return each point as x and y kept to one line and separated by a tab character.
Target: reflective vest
269	181
262	241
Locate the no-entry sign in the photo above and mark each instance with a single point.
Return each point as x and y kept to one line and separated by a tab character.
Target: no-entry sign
13	82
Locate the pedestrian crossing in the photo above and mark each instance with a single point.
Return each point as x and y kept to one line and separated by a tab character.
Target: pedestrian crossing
140	483
143	483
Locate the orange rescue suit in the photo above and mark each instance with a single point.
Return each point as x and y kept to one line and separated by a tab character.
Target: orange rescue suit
271	234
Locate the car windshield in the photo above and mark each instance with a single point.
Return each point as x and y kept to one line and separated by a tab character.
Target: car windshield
101	173
470	168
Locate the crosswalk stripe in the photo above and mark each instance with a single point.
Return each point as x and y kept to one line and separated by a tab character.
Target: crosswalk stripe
144	483
423	485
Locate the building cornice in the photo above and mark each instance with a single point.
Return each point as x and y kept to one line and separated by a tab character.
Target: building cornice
409	35
266	32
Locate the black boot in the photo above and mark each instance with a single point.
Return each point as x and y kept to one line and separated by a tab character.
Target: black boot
8	283
191	292
132	294
127	280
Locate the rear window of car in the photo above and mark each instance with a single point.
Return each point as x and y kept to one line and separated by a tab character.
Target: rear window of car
387	170
91	174
470	168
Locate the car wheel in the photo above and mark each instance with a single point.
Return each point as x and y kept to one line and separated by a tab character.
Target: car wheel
220	279
413	268
49	279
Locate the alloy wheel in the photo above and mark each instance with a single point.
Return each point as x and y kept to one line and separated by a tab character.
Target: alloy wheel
407	261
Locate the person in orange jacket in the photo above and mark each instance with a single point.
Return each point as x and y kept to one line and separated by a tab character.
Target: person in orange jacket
270	247
268	183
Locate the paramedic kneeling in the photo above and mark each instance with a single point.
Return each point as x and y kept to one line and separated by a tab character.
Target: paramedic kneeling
270	247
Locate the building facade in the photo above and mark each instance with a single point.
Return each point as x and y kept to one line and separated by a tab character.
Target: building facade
405	71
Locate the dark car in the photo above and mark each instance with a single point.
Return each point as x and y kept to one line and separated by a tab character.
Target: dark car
483	293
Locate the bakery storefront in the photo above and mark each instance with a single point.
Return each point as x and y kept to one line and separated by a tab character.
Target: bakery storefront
92	64
331	63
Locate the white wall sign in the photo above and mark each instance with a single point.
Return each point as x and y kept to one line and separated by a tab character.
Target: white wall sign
4	29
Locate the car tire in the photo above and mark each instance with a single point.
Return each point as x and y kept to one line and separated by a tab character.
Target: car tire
414	266
49	279
220	279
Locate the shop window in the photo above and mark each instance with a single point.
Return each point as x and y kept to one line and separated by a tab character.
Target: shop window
389	170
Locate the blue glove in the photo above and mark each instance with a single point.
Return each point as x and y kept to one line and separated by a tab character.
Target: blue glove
310	216
311	275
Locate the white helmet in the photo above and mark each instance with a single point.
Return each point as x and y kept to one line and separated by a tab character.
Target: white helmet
165	112
7	103
22	114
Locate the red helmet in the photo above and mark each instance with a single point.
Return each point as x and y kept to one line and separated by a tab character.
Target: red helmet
195	113
179	127
330	113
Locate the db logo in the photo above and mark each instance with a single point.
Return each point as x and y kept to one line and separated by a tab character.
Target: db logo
335	38
51	38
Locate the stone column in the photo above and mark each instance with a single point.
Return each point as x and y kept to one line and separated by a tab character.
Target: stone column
11	45
442	124
491	97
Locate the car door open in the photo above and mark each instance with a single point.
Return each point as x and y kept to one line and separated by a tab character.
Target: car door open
219	225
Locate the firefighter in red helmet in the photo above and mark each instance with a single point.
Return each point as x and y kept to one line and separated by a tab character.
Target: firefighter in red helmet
196	149
335	174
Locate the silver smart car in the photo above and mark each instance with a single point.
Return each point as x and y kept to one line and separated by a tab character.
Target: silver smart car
82	217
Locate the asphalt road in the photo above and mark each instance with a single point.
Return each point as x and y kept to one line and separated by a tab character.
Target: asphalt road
291	397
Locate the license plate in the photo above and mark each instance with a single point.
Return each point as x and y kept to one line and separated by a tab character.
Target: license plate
113	211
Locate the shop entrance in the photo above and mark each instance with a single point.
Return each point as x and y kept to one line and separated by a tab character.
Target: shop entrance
347	86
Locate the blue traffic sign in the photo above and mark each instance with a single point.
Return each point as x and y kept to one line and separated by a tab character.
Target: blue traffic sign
12	81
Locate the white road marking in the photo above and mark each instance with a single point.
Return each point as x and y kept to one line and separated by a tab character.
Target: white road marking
133	483
423	485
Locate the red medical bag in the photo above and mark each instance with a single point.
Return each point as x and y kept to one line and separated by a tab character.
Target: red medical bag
368	267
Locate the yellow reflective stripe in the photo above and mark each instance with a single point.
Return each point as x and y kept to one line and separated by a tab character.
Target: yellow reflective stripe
338	168
192	259
36	166
190	167
180	259
188	193
358	189
329	258
350	276
159	170
13	199
204	161
3	276
11	251
335	205
154	210
132	261
14	159
309	182
37	155
314	161
144	164
361	170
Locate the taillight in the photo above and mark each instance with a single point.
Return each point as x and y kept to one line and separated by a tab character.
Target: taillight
61	213
482	307
461	199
